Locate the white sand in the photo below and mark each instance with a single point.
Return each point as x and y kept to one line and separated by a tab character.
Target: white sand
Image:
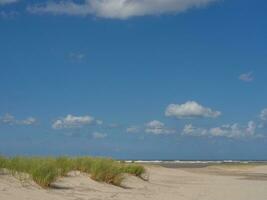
164	184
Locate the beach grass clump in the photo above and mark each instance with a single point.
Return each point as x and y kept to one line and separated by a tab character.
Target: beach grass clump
82	164
20	164
64	165
136	170
3	162
45	174
42	170
106	170
45	170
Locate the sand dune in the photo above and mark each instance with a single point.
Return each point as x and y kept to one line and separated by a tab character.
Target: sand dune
209	183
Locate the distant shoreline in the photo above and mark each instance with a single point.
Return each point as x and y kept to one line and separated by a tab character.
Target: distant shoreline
196	163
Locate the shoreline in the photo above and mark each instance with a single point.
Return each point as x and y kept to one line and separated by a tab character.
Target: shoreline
194	164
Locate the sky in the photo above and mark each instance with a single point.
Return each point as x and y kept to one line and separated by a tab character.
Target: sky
134	79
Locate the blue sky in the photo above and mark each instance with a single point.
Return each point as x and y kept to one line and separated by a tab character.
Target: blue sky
134	79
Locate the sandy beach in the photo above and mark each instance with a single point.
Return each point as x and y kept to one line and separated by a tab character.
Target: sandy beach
206	183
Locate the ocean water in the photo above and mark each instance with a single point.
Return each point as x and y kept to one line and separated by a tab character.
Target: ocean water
194	163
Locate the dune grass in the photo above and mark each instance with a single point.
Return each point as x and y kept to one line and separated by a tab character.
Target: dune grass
45	171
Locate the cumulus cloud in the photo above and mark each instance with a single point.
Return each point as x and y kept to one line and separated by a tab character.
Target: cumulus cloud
28	121
76	57
228	131
113	125
118	9
133	129
11	120
189	129
246	77
190	109
99	122
263	114
71	121
8	14
4	2
251	128
98	135
157	128
8	119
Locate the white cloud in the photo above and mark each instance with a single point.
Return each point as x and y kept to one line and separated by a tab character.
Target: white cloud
247	77
8	119
4	2
251	129
98	135
190	109
76	56
263	114
228	131
113	125
28	121
71	121
8	14
11	120
99	122
133	129
261	125
157	128
189	129
118	9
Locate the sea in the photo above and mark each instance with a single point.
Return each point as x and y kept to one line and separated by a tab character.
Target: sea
195	163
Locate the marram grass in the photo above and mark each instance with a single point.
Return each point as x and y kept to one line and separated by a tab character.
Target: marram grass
45	171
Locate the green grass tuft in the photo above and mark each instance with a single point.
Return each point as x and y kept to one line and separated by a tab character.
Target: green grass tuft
45	171
64	165
82	164
45	174
106	170
133	169
3	162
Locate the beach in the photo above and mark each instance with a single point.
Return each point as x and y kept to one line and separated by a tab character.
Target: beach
214	182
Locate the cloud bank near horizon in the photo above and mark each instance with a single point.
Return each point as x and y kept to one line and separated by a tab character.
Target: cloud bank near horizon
229	131
189	111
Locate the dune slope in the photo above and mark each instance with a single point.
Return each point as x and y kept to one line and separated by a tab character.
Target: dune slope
164	184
